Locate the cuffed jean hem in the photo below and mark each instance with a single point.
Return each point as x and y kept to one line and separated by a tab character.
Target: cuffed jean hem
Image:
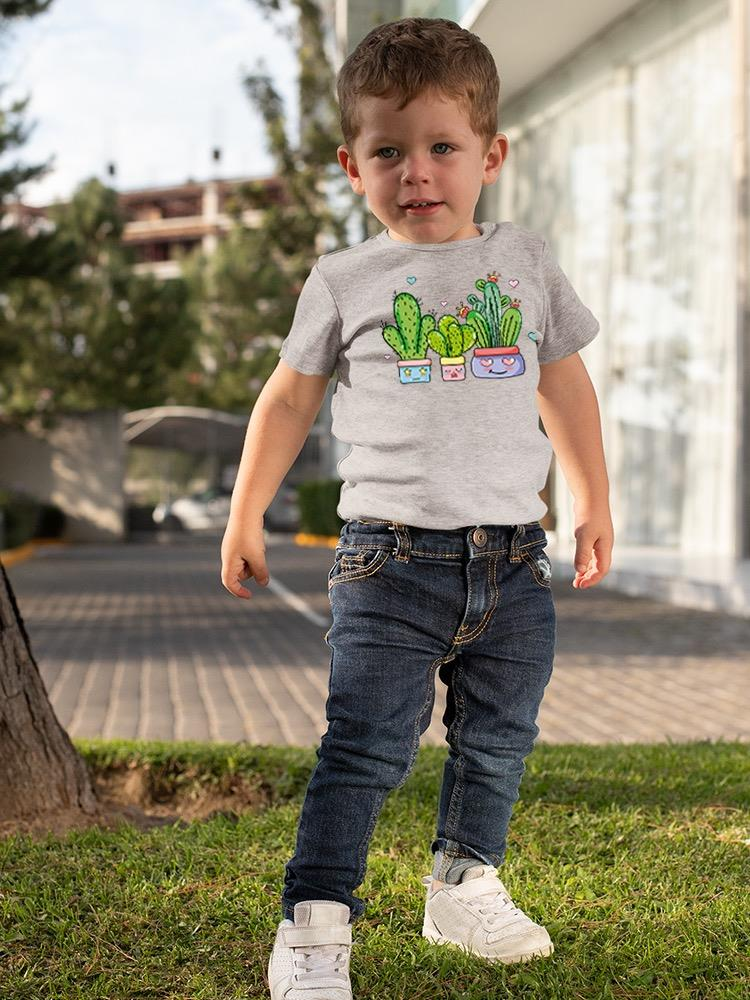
452	850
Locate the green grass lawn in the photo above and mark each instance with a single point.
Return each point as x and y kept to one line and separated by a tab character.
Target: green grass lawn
635	857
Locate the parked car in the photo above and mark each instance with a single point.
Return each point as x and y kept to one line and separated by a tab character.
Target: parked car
208	510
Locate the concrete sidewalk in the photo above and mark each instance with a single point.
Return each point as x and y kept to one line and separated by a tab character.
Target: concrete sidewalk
140	640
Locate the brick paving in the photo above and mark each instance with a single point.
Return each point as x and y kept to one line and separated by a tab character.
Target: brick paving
140	640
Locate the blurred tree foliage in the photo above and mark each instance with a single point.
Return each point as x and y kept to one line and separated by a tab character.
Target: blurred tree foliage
23	255
80	330
106	337
247	290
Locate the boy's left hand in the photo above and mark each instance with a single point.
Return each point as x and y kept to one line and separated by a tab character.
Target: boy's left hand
594	540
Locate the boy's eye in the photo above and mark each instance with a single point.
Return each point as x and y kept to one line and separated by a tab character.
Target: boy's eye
384	149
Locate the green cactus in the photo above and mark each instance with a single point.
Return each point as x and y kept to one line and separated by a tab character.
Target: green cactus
451	339
478	323
510	325
502	320
409	337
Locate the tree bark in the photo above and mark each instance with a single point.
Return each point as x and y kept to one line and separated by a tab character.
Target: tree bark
40	770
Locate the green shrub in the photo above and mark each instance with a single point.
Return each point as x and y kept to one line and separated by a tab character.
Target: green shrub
23	517
317	500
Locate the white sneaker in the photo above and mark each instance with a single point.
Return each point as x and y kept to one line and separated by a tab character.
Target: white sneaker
310	957
479	916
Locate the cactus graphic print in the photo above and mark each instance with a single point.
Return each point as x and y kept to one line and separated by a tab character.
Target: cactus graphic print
436	348
491	326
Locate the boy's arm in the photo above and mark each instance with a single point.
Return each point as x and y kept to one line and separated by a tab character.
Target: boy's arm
570	413
304	393
281	419
279	424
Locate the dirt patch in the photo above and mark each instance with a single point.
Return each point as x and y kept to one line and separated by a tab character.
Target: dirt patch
160	795
146	798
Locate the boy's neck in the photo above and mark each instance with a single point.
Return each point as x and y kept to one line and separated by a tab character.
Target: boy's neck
471	233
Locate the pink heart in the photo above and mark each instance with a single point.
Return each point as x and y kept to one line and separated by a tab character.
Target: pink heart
513	282
444	302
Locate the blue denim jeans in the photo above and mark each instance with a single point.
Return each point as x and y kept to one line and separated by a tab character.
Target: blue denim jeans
476	604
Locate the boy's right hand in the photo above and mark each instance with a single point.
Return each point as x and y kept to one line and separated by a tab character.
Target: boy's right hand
243	555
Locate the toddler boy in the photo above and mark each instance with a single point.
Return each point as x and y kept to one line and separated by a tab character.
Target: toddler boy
449	338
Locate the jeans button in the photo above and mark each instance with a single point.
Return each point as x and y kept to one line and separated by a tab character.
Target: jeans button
479	536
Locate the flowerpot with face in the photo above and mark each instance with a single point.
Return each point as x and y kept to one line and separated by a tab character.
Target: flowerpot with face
497	362
453	369
415	370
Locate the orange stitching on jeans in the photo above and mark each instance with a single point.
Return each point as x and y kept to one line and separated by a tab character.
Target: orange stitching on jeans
416	734
357	574
478	629
448	555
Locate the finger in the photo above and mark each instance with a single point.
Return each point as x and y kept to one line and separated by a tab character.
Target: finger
582	560
232	582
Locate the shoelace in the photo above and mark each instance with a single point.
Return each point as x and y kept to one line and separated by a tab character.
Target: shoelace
319	962
499	907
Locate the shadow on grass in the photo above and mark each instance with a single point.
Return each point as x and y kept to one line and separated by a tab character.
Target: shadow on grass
668	775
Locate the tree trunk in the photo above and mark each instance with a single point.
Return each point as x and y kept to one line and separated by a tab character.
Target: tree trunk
40	770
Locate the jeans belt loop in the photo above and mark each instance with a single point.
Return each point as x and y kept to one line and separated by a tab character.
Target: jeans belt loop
515	545
403	541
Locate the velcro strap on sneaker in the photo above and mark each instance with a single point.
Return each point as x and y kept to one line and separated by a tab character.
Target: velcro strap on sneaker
474	887
293	937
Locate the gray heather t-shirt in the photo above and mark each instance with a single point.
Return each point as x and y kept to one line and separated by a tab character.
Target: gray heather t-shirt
437	348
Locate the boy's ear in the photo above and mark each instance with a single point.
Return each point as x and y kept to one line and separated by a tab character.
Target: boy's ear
499	147
495	157
349	166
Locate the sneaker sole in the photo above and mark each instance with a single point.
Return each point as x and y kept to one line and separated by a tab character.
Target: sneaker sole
543	952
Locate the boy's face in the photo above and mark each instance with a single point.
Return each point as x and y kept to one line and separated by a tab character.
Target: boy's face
425	152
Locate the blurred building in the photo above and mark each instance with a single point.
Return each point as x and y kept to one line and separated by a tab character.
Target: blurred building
628	129
162	224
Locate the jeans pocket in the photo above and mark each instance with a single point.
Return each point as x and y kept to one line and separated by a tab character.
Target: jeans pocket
538	563
356	563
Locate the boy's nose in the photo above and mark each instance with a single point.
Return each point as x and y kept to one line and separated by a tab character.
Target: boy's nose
415	170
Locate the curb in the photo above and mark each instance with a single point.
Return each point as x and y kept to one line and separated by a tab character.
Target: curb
302	538
23	552
10	557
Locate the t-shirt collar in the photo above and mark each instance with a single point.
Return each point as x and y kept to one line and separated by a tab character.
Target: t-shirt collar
487	229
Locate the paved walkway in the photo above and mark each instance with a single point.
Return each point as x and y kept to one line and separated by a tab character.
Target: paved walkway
141	640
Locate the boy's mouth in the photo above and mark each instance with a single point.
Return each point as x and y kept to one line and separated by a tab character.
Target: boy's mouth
421	207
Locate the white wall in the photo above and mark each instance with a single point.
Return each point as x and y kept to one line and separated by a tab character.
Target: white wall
78	466
621	159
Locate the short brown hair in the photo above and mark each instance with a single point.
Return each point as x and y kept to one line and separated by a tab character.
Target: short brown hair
416	54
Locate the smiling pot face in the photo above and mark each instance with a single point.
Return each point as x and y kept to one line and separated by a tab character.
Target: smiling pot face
425	152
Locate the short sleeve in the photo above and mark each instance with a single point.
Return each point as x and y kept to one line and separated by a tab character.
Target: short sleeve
568	324
314	339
